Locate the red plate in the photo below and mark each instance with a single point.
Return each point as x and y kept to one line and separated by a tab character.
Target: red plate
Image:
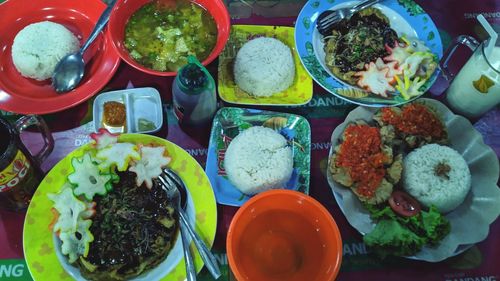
28	96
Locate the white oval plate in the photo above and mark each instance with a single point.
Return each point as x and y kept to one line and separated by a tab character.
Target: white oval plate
471	220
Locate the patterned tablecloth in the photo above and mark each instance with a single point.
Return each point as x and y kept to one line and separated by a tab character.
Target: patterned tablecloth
324	112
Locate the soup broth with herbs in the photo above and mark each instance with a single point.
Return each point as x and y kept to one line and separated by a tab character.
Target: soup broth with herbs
160	36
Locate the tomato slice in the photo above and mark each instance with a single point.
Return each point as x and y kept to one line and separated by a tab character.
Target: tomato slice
403	204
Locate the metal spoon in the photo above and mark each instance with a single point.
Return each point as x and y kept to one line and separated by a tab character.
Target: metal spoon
207	256
70	69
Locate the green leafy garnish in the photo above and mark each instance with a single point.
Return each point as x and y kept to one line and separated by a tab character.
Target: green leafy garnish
435	225
404	236
389	237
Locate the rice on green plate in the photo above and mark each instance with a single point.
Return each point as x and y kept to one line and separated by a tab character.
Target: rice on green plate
258	159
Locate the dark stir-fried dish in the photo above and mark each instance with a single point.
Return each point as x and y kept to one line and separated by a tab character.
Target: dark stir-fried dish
357	41
113	221
365	51
134	228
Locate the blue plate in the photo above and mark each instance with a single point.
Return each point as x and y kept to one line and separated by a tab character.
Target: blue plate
406	17
230	121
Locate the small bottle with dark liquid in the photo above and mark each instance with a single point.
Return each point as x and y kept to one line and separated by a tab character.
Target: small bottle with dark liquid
193	93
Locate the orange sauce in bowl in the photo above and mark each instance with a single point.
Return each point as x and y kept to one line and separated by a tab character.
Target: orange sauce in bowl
114	117
280	245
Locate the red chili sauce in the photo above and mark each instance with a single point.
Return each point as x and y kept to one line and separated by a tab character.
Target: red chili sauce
415	119
361	155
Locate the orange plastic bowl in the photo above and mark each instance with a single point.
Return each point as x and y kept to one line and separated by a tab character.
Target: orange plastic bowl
124	9
284	235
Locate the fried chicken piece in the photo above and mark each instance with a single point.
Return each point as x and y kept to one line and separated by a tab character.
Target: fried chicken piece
388	152
339	174
382	193
387	134
395	170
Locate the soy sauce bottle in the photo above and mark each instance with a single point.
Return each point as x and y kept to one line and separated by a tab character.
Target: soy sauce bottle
193	93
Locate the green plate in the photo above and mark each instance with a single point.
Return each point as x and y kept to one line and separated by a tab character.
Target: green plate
230	121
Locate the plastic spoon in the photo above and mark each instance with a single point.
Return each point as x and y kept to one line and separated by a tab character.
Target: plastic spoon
70	69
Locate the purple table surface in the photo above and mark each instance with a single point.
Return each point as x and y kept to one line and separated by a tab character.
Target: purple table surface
324	113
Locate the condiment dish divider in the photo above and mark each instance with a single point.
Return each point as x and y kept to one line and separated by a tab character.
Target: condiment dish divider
129	98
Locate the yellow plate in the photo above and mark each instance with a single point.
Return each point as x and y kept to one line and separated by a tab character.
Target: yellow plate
38	242
299	93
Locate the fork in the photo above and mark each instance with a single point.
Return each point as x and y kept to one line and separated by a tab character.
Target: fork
329	18
174	195
173	183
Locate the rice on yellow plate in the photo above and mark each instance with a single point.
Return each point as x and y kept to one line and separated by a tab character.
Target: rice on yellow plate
301	90
264	67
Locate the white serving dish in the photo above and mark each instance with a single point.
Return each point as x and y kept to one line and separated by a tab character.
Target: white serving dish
140	103
471	220
156	273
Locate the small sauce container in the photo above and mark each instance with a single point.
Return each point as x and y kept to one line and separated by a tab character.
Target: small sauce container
136	110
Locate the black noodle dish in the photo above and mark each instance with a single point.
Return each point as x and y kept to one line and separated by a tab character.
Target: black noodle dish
134	228
356	42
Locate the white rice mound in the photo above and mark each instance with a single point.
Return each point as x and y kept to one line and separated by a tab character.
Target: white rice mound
420	180
38	47
258	159
264	66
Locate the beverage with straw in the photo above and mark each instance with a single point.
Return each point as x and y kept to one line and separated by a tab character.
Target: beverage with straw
476	88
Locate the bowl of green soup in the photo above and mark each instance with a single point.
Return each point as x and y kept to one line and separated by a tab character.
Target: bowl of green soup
156	36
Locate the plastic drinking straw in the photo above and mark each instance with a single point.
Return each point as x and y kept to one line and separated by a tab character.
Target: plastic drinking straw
491	32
